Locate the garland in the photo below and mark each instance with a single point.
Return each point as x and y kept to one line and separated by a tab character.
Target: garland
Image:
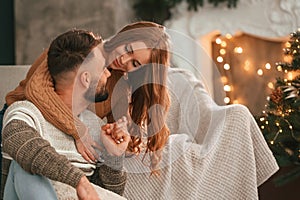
159	10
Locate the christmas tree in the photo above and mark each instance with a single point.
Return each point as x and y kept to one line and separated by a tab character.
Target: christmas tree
280	121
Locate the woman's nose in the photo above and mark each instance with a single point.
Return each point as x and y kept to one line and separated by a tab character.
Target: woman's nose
125	59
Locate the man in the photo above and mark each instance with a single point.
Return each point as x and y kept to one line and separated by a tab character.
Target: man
76	64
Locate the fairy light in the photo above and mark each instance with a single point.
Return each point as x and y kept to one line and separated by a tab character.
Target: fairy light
238	50
218	41
226	66
224	79
226	99
260	72
290	76
272	142
268	66
227	88
270	85
235	101
247	65
262	127
228	36
267	122
287	45
279	68
220	59
223	44
222	51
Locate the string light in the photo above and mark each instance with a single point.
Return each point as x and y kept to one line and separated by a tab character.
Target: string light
279	68
238	50
218	41
222	51
268	66
224	79
227	88
226	99
220	59
270	85
223	44
235	101
228	36
290	76
226	66
260	72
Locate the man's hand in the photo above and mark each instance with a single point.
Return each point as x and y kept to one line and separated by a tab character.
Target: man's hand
115	137
85	146
85	190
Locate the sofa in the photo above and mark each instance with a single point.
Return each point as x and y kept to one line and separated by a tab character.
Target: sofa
10	76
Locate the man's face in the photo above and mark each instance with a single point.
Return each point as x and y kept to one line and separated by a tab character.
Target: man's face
97	89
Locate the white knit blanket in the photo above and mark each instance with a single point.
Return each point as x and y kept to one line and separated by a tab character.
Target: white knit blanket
230	160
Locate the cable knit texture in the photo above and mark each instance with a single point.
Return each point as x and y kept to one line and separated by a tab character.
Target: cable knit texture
32	152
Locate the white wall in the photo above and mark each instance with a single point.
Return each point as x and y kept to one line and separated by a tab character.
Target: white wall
265	18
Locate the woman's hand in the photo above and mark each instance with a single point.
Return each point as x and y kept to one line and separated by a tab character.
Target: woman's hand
85	146
115	137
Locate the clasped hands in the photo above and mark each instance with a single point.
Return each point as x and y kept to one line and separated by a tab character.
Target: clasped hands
114	136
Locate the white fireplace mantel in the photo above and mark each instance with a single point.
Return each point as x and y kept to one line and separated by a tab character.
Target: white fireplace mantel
272	19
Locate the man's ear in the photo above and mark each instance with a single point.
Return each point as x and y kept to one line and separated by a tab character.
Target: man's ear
85	79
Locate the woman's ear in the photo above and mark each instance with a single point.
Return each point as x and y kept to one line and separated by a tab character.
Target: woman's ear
85	79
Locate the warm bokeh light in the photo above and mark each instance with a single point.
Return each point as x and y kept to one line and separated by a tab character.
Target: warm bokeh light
260	72
279	68
218	41
290	76
226	66
220	59
238	50
235	101
226	99
228	36
268	66
223	44
227	88
224	79
222	51
270	85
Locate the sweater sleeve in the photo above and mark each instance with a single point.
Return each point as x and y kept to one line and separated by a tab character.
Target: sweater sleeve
110	175
35	154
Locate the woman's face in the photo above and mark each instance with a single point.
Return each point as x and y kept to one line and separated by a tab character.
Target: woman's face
129	57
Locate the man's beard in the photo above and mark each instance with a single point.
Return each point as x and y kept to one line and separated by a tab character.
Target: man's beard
95	97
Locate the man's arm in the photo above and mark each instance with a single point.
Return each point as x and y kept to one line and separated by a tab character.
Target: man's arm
34	154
